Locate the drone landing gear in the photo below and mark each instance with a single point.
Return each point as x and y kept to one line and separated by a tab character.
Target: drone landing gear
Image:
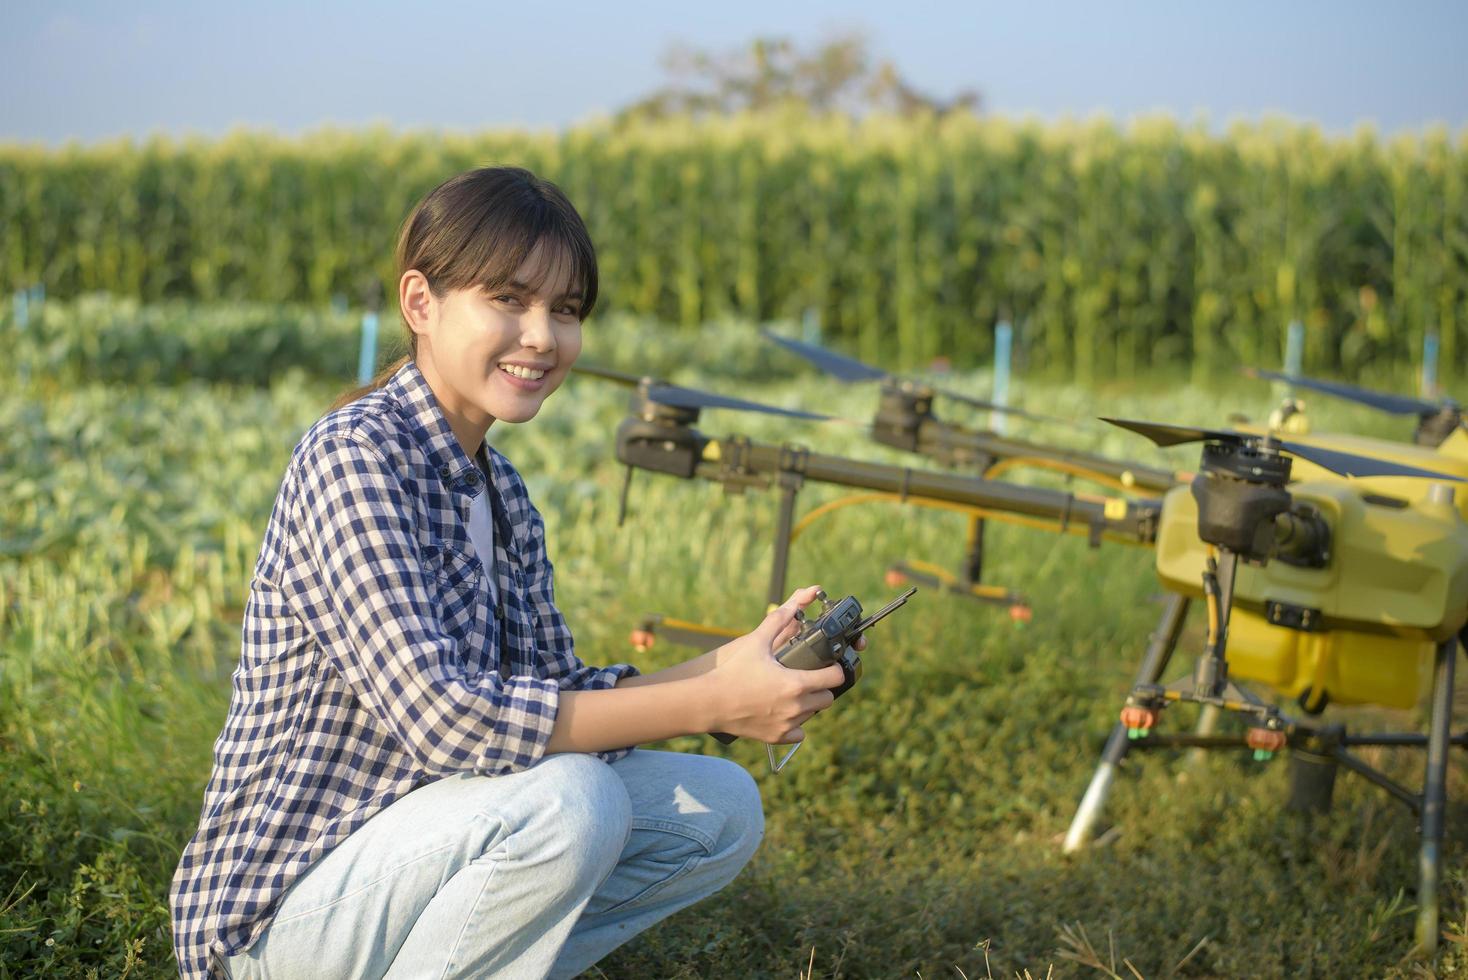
1316	753
923	573
1159	651
967	583
700	636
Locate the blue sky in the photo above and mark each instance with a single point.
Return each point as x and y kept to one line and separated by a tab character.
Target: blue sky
94	70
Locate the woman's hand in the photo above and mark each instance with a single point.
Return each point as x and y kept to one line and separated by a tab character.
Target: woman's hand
739	688
753	695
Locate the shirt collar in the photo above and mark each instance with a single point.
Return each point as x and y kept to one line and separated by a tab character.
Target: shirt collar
425	419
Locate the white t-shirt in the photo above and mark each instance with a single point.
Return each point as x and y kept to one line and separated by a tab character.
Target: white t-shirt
481	527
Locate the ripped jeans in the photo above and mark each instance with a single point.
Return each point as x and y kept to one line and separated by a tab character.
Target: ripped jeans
532	874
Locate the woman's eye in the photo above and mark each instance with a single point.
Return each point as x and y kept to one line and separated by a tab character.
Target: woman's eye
507	298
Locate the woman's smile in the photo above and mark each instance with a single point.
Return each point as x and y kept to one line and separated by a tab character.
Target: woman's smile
523	376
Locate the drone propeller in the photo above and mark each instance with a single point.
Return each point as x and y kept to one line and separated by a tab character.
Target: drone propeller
1395	404
845	368
1346	464
608	374
677	396
837	365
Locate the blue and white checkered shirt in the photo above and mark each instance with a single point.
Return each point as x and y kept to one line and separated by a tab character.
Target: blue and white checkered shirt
378	656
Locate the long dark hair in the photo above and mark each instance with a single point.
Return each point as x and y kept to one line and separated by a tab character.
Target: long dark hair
477	229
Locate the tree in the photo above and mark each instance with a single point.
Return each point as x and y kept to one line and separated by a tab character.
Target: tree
839	75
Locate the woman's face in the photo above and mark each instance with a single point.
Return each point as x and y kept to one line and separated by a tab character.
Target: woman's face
499	354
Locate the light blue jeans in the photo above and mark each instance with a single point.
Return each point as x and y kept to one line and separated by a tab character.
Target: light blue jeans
532	874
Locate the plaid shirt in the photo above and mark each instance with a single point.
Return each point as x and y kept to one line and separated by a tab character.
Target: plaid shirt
378	656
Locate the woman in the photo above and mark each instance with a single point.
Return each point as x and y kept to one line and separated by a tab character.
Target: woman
417	775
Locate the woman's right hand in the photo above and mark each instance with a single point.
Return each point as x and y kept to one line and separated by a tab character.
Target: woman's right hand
753	695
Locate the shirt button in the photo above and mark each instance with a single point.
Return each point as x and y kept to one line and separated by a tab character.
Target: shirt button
445	472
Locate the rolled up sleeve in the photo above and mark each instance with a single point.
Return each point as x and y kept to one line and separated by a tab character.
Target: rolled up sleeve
372	601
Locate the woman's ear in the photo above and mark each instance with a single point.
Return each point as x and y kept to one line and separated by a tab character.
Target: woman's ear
416	300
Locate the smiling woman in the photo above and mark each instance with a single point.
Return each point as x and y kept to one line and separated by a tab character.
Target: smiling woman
496	351
417	775
489	242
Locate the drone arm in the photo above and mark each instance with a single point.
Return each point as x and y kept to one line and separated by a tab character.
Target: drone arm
660	447
744	462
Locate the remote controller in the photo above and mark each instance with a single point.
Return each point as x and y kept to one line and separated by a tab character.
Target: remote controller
830	640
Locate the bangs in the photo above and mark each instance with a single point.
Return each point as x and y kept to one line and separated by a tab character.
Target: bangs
502	239
557	262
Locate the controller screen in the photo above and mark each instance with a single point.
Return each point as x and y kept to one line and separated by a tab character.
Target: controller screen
846	614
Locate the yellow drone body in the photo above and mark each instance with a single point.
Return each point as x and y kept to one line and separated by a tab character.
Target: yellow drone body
1362	629
1333	569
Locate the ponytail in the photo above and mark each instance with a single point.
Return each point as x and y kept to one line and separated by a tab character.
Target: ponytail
351	395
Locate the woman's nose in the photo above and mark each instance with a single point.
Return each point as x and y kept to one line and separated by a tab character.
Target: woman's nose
536	330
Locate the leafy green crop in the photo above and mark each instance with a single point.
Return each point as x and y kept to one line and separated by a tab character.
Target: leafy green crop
916	833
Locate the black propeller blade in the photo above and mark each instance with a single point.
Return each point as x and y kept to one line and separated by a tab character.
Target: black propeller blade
996	407
845	368
606	373
677	396
1395	404
1175	435
837	365
1349	464
1346	464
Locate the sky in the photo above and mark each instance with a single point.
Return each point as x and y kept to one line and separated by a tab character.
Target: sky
92	71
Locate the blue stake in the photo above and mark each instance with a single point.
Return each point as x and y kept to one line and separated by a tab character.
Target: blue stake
22	308
1294	353
1003	345
38	305
810	326
367	358
1429	364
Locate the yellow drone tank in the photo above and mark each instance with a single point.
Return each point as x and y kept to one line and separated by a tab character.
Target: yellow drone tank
1360	630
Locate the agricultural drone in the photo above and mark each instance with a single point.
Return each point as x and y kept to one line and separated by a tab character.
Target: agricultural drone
1326	590
1333	569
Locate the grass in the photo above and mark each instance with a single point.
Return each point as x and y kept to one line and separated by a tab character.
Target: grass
917	834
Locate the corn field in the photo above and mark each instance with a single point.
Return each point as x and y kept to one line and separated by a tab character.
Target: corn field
1114	252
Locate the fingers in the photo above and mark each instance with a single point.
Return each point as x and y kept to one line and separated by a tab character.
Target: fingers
821	701
824	679
783	615
796	734
790	632
803	597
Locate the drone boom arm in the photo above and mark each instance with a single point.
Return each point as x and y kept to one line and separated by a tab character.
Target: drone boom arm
1131	520
681	451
